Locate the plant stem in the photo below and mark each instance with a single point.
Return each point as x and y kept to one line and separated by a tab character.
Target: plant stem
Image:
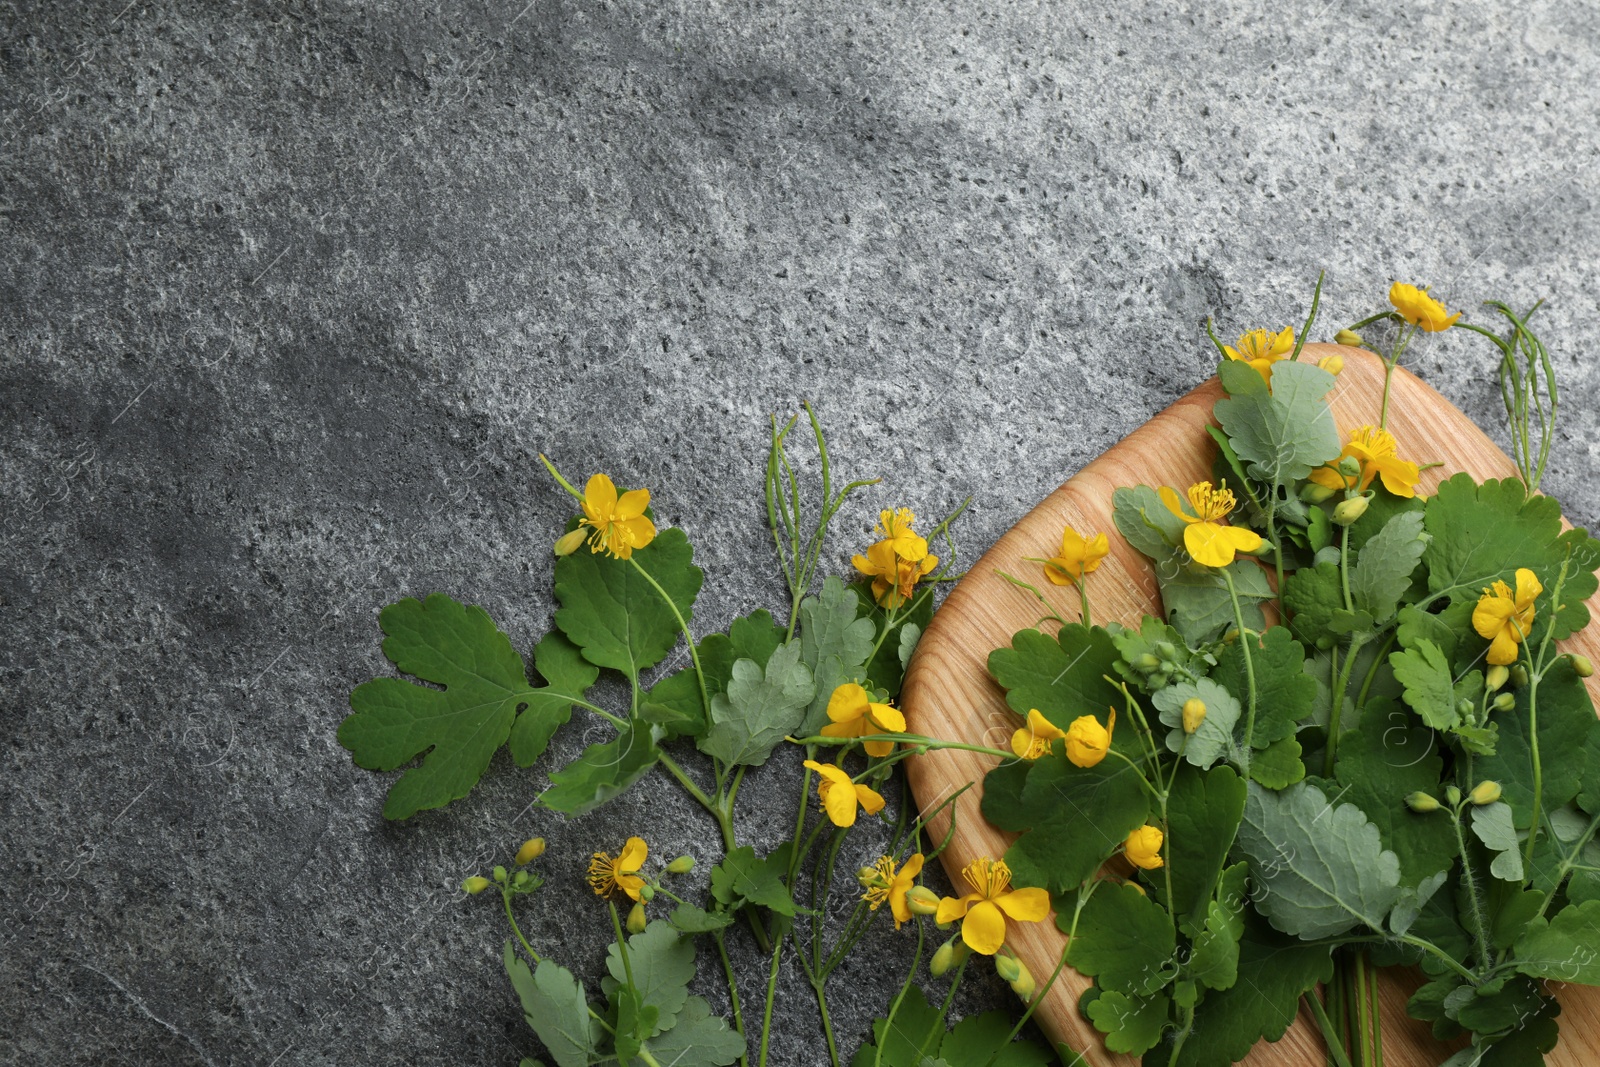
1329	1037
683	626
894	1005
1249	671
505	897
827	1024
772	989
733	993
1336	711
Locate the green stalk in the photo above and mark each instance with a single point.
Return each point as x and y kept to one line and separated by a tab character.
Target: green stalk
683	626
1329	1036
733	995
899	998
1249	670
772	988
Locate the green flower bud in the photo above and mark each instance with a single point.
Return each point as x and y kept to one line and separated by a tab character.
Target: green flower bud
1349	466
1194	713
943	959
1349	338
1312	493
647	892
1582	665
1348	511
474	885
636	919
531	850
1485	792
520	879
1009	968
569	543
1166	651
922	900
1497	677
1422	802
1519	675
681	865
1024	986
1147	662
1504	702
1453	795
499	873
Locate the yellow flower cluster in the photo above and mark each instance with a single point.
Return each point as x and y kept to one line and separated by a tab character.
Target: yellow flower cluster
1079	555
616	525
1087	741
898	561
1376	450
1261	349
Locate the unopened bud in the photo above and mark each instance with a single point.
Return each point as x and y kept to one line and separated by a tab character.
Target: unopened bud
1194	713
1504	702
1312	493
1137	888
499	874
1349	466
647	892
1349	511
474	885
531	850
922	900
1485	792
1582	665
569	543
1231	636
943	959
1519	675
1453	795
1422	802
1497	677
1332	364
520	879
870	878
681	865
1024	986
1349	338
636	919
1166	650
1148	662
1009	968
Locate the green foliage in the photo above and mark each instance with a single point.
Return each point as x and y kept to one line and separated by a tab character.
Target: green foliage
612	612
1380	763
662	964
1146	522
1203	814
675	702
1197	602
602	771
693	919
1492	825
886	669
1565	948
834	643
1312	595
1154	655
1282	435
1122	939
1214	956
916	1037
1567	726
1383	569
1278	766
1063	676
759	708
1075	818
1319	869
554	1005
1215	738
1284	692
1131	1024
699	1039
460	726
742	879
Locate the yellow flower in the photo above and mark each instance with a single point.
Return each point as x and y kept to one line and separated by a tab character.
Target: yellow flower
608	876
854	714
531	850
1504	618
895	526
1080	555
1033	740
983	912
1262	348
1208	541
620	525
1420	309
894	578
1194	713
1143	847
840	796
1088	741
1377	452
892	886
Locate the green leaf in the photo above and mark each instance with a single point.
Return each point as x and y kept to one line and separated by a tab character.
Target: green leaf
1214	739
986	1039
1240	379
1319	870
1492	824
1197	601
1123	940
1567	725
759	709
1513	916
698	1039
1131	1025
612	612
460	726
741	878
1278	766
834	644
568	677
1062	676
1274	971
602	771
901	1034
1565	948
1214	958
1383	568
910	634
555	1008
1526	1046
1203	814
1080	815
1312	596
884	668
1147	523
1381	762
1319	529
1417	625
692	919
1424	671
1483	533
1283	435
662	964
1173	659
1284	691
635	1021
675	701
1002	804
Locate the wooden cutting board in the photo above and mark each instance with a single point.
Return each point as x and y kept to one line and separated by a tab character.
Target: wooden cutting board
948	692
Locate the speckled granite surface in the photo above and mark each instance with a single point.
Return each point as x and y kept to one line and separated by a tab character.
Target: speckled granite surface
291	296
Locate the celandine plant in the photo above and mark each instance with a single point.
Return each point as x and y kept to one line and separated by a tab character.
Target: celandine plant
824	678
1405	770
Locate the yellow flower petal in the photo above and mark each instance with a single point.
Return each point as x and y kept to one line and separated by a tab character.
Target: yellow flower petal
984	928
632	504
871	802
849	701
887	719
1174	503
953	908
1214	545
1025	905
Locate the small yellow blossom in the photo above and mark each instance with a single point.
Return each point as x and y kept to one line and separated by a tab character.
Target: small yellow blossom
1332	364
895	527
891	886
983	912
531	850
1420	309
1262	348
1088	741
1378	453
1210	543
894	578
1080	555
1033	740
853	713
608	876
841	797
1194	713
619	524
1143	847
1504	618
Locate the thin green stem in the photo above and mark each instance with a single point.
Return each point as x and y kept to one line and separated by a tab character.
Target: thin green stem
1249	670
1400	342
899	998
733	994
772	989
683	627
505	897
1329	1037
1336	711
1316	302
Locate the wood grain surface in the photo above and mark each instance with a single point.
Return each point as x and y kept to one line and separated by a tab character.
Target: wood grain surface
948	692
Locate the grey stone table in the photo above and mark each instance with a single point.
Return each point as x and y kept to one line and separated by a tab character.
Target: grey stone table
292	295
